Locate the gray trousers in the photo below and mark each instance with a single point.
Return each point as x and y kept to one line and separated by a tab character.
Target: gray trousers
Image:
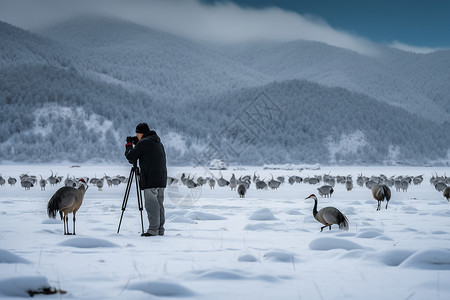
154	205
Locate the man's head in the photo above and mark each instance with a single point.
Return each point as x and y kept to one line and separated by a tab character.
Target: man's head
141	129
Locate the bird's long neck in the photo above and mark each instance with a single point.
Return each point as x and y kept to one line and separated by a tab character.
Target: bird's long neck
315	207
82	190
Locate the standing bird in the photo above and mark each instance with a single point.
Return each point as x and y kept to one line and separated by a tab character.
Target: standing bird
223	182
67	200
233	182
12	181
42	183
329	216
99	184
349	184
326	190
241	191
446	193
381	192
212	183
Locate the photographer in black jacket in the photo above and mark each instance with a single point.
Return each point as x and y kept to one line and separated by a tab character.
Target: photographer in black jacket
153	175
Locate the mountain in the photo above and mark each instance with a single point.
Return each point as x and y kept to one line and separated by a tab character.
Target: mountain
392	76
313	123
75	91
165	66
22	47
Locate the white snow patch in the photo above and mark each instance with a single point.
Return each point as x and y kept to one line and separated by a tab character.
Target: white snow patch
247	258
87	242
19	286
429	259
347	144
162	289
330	243
198	215
263	214
7	257
215	259
280	256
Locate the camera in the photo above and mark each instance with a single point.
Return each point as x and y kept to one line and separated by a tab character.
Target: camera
132	139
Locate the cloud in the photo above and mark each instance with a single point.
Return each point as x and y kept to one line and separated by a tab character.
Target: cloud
223	22
413	49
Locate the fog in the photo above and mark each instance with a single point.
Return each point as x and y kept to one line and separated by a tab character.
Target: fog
223	22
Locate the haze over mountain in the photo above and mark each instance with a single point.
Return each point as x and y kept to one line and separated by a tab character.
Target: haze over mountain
76	90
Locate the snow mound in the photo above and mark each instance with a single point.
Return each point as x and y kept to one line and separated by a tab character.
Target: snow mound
264	214
354	254
222	275
280	256
198	215
410	209
349	211
162	289
438	232
247	258
265	226
369	234
330	243
392	257
88	242
181	219
7	257
19	286
430	259
233	274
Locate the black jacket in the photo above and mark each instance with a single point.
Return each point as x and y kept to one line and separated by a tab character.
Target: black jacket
152	161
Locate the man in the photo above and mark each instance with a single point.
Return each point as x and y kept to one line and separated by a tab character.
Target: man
153	175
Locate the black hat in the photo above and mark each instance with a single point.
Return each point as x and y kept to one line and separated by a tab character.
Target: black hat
142	128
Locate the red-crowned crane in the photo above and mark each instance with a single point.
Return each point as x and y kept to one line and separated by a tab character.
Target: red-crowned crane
329	216
67	200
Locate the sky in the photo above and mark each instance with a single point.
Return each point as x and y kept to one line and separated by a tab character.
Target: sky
417	23
412	25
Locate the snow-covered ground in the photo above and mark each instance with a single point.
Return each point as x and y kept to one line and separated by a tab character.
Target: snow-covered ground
218	246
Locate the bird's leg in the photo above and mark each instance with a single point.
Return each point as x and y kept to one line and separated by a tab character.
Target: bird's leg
64	222
73	223
67	224
66	228
321	228
329	227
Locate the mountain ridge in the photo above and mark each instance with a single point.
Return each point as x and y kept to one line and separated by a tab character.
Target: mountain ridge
195	92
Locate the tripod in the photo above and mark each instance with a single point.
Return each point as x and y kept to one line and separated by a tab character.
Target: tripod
133	173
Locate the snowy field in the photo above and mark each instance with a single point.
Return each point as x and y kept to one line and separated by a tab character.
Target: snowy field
218	246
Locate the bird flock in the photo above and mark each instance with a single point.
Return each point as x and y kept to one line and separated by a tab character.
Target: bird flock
380	187
327	183
29	181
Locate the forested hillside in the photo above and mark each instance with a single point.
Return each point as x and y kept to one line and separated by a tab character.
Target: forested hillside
77	92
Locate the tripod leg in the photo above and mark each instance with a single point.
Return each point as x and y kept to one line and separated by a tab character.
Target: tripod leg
139	198
125	198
